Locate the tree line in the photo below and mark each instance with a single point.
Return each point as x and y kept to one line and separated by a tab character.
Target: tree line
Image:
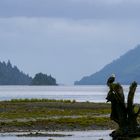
11	75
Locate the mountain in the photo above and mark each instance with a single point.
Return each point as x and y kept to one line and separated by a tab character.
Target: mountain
11	75
126	69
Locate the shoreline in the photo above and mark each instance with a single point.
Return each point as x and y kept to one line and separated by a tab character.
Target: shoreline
59	134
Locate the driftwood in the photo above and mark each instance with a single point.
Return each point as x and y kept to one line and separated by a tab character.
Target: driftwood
123	113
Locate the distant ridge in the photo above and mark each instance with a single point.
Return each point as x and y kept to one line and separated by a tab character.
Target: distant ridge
126	69
11	75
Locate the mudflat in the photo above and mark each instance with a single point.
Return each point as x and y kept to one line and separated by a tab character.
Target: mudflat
24	115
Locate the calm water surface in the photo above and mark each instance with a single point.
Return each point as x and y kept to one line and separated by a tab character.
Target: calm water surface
78	93
83	135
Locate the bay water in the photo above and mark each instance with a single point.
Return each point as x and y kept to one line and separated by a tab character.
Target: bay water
78	93
76	135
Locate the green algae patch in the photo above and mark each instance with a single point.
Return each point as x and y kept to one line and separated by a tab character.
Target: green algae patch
37	108
44	114
87	123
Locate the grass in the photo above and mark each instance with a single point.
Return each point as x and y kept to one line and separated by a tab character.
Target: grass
43	108
53	114
46	112
41	100
61	124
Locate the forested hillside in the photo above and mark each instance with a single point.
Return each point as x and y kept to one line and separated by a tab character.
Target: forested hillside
126	69
11	75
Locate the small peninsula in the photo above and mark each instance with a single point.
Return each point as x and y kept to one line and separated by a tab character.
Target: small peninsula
11	75
43	79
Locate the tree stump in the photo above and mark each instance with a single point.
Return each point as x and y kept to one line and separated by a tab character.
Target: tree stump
123	113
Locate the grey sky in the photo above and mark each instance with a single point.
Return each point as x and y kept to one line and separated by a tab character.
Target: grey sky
71	8
67	38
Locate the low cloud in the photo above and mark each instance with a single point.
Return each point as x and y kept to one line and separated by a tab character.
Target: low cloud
74	9
65	48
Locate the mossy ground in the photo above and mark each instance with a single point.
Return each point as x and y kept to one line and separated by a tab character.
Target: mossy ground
53	115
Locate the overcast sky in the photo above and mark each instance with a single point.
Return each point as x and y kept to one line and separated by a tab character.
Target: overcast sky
67	38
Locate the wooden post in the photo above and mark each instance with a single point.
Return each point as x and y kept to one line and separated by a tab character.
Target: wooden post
123	114
132	116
